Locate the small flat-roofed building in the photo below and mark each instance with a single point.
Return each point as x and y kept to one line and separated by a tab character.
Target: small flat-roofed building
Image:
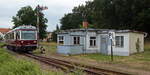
78	41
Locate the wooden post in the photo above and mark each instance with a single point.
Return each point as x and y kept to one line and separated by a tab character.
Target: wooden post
111	51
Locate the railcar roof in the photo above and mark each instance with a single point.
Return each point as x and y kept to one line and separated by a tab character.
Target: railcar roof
26	27
23	27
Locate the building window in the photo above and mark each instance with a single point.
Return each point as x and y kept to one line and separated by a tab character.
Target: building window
92	41
76	40
119	41
61	40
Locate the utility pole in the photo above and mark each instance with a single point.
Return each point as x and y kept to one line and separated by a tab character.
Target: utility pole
38	19
38	10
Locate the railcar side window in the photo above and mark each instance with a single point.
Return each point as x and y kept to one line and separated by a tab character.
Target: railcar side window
61	40
12	35
17	35
9	36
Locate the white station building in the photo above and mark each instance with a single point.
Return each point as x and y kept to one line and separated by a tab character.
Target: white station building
80	41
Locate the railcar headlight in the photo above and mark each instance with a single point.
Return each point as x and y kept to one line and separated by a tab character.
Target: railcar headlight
34	42
21	41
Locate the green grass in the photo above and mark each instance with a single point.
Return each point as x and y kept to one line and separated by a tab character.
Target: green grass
9	65
134	61
49	47
137	61
144	56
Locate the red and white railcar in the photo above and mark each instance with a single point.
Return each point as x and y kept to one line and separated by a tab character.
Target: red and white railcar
23	38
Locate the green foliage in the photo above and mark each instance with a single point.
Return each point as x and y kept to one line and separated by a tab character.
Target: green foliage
71	21
11	66
4	57
50	47
54	34
19	68
89	26
110	14
27	16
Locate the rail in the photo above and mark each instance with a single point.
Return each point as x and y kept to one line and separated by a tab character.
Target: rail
72	66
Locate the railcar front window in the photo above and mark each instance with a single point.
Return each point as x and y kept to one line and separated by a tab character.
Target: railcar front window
28	35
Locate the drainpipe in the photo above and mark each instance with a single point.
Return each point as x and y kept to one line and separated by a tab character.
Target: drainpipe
85	41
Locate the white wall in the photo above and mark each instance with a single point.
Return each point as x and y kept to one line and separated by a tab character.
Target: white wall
66	39
122	51
129	42
92	49
133	41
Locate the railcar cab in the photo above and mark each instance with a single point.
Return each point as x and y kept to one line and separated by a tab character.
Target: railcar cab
22	38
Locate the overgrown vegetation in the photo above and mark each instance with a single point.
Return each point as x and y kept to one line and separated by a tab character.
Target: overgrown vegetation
50	47
110	14
28	16
136	61
9	65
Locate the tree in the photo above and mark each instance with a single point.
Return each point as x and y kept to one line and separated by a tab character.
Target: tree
27	16
75	19
57	27
54	33
79	14
71	21
127	14
111	14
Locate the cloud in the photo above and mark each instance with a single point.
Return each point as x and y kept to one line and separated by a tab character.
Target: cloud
56	10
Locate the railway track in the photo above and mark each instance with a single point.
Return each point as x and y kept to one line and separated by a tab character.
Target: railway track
72	66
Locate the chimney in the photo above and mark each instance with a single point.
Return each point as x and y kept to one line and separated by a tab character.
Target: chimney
85	24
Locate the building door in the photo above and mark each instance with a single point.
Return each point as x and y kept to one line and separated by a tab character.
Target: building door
104	44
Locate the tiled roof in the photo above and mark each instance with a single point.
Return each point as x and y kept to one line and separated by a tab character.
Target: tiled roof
4	30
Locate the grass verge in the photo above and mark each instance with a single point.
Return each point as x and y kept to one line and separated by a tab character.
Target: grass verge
9	65
135	61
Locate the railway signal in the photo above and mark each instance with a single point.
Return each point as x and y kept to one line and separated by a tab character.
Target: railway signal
39	9
113	42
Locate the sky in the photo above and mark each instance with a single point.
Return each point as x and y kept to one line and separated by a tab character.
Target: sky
56	10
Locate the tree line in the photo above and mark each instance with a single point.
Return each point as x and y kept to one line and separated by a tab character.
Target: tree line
102	14
28	16
110	14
